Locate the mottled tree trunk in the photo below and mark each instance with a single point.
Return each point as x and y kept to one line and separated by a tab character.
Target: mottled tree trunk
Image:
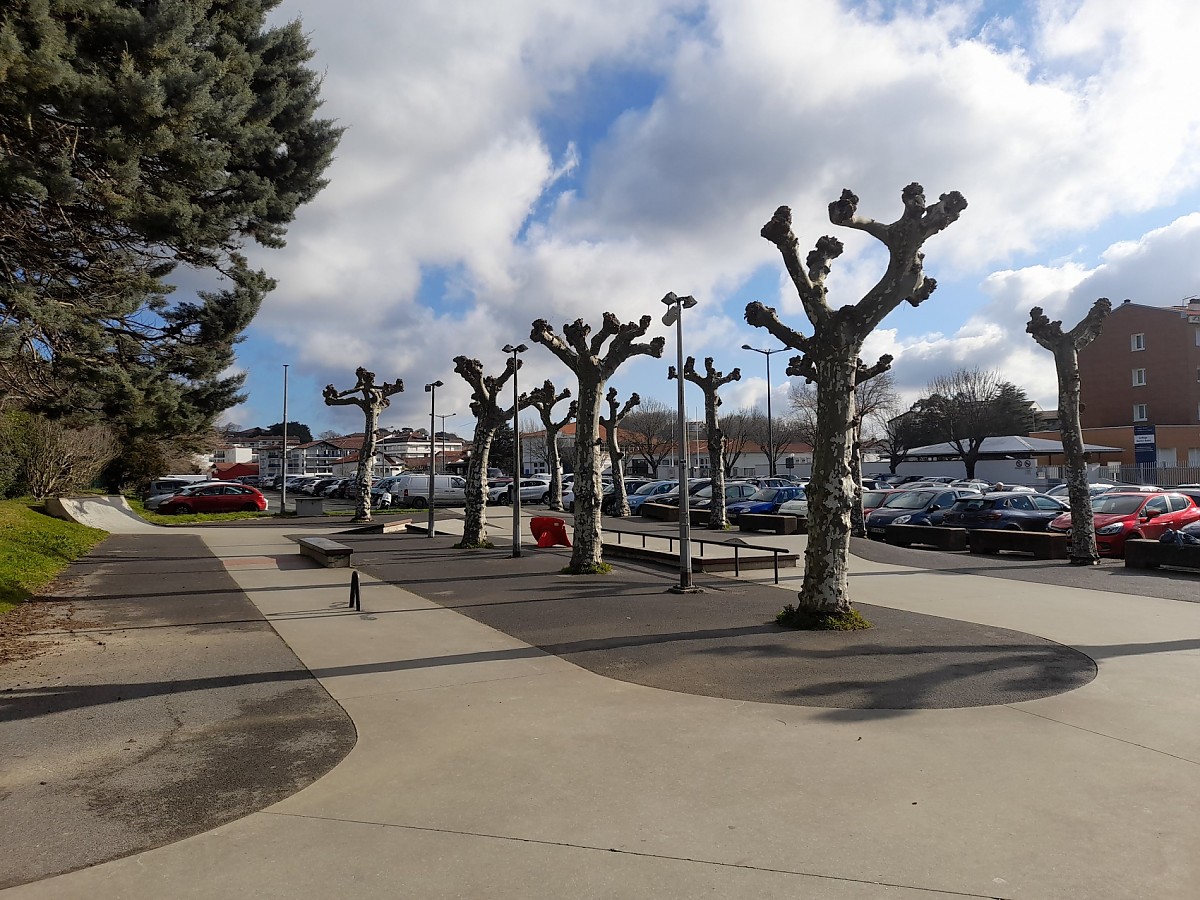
581	352
373	401
587	555
554	464
717	519
475	513
1083	522
830	358
858	525
616	460
365	474
1066	347
489	416
831	488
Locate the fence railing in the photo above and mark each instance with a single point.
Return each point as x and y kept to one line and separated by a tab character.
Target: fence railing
736	543
1163	476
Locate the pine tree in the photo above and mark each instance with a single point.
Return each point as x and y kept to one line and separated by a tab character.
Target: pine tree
140	139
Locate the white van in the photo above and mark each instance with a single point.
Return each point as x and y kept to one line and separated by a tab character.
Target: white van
413	490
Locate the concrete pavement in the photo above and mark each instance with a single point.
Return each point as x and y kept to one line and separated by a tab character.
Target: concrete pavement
487	768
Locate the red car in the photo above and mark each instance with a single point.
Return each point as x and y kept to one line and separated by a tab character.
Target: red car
1120	516
215	497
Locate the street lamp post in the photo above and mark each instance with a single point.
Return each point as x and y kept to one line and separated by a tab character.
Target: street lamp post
674	316
283	454
431	390
770	427
516	485
443	434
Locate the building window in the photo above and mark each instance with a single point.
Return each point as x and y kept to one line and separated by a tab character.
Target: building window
1137	342
1139	377
1139	412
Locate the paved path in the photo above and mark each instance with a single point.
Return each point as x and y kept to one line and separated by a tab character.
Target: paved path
487	768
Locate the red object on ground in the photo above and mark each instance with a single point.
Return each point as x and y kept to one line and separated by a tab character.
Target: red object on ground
550	531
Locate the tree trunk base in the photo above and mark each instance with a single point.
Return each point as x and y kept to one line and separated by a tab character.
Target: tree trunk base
1085	561
808	620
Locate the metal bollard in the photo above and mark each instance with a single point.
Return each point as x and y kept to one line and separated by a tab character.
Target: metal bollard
355	600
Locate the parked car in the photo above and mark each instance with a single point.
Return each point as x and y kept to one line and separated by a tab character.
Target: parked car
1120	516
695	485
874	499
607	494
165	487
973	484
735	492
648	492
413	490
1134	489
797	506
764	500
924	506
315	487
1099	487
1008	510
533	490
214	497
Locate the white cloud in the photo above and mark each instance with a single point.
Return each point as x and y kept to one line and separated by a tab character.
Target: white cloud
447	165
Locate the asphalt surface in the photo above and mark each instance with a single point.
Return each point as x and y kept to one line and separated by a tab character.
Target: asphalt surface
1111	575
723	642
163	706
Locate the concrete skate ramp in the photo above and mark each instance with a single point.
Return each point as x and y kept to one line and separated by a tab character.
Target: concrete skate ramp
109	513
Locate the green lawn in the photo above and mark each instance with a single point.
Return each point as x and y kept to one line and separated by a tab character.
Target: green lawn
35	547
191	519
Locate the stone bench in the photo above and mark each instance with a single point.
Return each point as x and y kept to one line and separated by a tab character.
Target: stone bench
1041	544
1143	554
330	554
926	536
663	512
768	522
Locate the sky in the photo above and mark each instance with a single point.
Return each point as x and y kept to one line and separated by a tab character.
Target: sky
529	159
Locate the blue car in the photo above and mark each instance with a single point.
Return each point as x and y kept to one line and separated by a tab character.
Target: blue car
648	491
765	500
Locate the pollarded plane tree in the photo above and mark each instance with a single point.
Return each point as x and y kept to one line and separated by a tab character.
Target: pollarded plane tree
1066	346
616	456
593	364
830	357
489	418
373	401
543	400
709	383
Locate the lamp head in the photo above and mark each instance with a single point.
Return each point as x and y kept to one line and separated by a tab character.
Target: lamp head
520	348
429	387
747	347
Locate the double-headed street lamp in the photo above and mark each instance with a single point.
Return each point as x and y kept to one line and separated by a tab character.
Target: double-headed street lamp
770	427
431	390
674	316
443	434
516	485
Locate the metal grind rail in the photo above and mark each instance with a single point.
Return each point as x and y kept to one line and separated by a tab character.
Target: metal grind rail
736	543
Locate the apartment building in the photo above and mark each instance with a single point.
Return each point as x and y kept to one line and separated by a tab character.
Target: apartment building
1141	384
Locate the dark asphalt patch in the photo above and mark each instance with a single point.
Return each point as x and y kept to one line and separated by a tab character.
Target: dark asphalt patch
165	706
723	642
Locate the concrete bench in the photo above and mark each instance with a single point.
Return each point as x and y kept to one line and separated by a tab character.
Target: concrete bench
330	554
1143	554
661	511
768	522
1041	544
926	536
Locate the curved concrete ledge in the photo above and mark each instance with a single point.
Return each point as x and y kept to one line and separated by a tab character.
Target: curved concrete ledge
111	514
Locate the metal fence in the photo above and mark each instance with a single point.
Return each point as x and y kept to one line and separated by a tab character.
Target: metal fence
1163	476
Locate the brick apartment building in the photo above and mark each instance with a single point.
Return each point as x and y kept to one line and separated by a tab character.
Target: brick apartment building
1144	370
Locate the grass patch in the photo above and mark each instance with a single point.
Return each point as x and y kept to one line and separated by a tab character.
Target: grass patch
804	620
191	519
35	547
482	545
601	569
